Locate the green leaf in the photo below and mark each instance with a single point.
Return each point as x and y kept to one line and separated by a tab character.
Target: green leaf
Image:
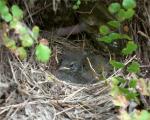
118	36
114	7
26	40
43	53
17	12
114	24
3	8
115	36
2	4
121	15
129	13
21	53
125	36
128	94
75	7
35	32
131	95
130	48
134	67
114	91
129	4
120	79
140	115
13	24
104	30
145	115
78	2
105	39
23	30
10	43
19	27
133	83
124	90
7	17
116	64
115	81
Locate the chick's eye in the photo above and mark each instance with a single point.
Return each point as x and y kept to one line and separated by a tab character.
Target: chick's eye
72	65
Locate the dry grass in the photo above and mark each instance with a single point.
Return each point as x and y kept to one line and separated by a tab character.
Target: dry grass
28	91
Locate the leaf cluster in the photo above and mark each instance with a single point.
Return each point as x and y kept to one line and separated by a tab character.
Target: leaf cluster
124	90
122	12
76	4
25	39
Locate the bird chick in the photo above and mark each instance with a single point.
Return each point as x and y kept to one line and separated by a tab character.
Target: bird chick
80	67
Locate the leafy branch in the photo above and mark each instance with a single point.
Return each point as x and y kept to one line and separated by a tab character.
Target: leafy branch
21	37
125	90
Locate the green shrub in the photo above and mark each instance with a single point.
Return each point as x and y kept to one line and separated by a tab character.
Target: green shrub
122	96
27	38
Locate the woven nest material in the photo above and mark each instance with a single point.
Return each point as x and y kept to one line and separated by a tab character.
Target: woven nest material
28	92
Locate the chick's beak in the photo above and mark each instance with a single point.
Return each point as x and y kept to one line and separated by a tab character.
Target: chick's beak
64	68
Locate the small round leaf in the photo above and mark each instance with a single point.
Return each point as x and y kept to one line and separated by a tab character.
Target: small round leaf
7	17
9	44
115	36
35	32
19	27
105	39
3	8
75	7
26	40
104	30
116	64
121	15
134	67
17	12
125	36
21	53
114	24
114	7
129	13
43	53
78	2
2	4
130	48
129	4
145	115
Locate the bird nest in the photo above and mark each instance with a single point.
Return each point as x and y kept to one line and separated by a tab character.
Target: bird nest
29	91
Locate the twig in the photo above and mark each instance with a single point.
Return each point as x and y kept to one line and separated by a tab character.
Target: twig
115	73
28	11
58	113
144	35
93	70
73	94
12	70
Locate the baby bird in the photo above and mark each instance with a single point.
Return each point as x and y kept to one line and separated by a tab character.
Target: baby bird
80	68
